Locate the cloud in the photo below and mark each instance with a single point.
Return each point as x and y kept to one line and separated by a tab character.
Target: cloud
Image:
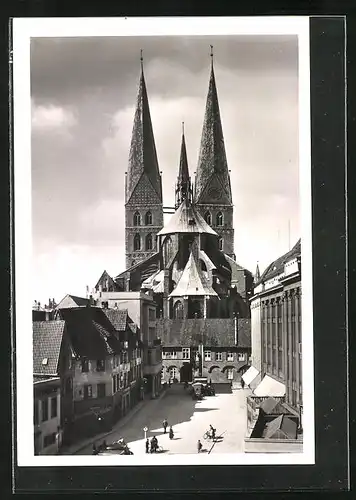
52	118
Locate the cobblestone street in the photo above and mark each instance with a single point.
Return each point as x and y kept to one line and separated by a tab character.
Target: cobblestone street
190	419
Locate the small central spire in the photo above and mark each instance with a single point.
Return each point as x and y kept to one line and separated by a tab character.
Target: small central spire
182	128
141	58
212	54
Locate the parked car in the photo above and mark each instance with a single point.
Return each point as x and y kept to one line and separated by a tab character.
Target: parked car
115	448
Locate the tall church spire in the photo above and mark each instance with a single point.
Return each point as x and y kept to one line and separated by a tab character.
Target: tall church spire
143	156
143	185
257	274
212	196
183	188
212	158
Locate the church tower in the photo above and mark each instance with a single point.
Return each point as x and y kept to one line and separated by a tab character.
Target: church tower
183	187
212	195
143	185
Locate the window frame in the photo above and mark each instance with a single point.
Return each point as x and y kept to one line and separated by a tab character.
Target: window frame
54	406
218	356
44	414
229	356
148	218
219	219
137	242
137	219
101	386
185	351
207	355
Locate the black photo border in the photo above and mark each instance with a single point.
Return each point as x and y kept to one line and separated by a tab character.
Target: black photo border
331	471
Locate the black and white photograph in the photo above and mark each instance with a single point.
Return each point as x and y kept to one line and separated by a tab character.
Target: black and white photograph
163	241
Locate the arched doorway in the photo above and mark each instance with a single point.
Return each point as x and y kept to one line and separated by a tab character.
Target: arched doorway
186	372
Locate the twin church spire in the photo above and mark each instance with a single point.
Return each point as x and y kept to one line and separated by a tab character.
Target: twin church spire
143	180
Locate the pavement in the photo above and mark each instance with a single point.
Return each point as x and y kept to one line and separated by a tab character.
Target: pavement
190	419
77	448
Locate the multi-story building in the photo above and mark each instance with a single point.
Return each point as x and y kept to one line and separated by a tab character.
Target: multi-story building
276	370
142	310
52	376
191	272
47	415
107	373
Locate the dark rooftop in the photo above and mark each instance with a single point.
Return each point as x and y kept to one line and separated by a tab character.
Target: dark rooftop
47	341
277	266
212	332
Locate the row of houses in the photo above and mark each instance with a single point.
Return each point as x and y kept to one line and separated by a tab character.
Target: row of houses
91	365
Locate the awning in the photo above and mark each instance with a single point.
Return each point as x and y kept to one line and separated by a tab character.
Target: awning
270	387
250	375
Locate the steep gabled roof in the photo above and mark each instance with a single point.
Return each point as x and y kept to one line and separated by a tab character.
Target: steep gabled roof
186	219
192	282
143	156
47	342
72	301
91	333
117	317
212	157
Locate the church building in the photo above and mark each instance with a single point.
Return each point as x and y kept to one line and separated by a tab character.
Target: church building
188	266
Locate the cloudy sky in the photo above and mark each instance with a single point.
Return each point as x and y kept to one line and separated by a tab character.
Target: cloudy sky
83	94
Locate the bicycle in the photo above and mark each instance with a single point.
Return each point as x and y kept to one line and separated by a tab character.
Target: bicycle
208	435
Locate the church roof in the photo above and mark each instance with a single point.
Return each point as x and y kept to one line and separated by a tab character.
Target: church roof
186	219
192	281
212	161
143	155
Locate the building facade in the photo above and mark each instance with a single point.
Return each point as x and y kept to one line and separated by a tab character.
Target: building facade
142	310
276	331
47	416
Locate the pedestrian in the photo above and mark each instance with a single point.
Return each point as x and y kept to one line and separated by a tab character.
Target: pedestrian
242	383
171	433
169	382
154	444
165	425
147	445
199	446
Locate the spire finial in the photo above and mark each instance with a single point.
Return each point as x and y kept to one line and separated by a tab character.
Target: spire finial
183	128
141	58
212	54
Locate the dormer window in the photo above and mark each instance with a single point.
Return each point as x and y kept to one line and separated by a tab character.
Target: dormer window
221	244
45	361
219	219
191	222
137	219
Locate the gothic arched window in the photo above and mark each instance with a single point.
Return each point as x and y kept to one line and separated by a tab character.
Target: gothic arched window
149	242
219	219
178	310
137	219
207	217
221	244
148	218
137	242
168	250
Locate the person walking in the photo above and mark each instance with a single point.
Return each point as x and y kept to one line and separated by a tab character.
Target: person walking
199	446
171	433
154	444
242	383
147	446
165	425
